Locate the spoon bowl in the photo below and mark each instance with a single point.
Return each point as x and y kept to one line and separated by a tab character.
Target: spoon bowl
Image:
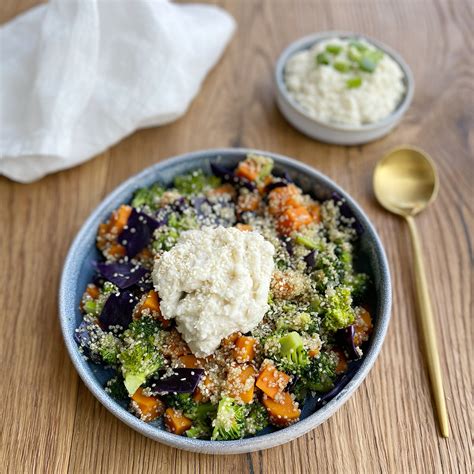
405	181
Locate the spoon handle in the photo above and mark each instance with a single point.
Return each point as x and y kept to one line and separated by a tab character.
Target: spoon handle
428	331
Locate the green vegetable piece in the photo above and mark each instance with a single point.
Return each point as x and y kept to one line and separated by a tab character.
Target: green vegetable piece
338	312
354	82
140	358
230	420
358	45
90	307
367	65
257	419
333	48
109	348
322	58
116	389
292	349
148	197
199	430
354	55
341	66
195	182
321	373
308	243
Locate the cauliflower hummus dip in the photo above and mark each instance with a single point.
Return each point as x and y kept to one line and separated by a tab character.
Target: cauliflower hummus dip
345	81
214	282
226	300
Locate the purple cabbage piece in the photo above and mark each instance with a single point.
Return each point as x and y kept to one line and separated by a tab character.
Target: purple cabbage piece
283	175
122	275
346	211
82	337
182	381
118	309
274	185
310	259
138	232
339	385
345	338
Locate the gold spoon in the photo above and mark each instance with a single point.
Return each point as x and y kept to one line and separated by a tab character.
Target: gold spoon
405	182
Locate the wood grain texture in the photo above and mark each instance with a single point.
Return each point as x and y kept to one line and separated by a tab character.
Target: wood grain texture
49	420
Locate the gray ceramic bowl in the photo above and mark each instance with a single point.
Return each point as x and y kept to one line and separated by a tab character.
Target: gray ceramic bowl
78	271
338	133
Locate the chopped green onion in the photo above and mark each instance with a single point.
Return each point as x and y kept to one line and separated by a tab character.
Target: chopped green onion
353	54
322	58
367	65
354	82
341	66
333	48
358	45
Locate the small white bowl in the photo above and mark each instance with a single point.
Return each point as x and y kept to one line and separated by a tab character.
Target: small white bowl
338	134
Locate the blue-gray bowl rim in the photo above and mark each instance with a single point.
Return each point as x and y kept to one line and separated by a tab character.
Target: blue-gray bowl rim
68	306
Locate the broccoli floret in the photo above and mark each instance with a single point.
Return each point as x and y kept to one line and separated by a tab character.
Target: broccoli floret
190	408
257	419
199	429
230	420
294	357
108	347
358	283
337	309
116	389
321	373
195	182
140	358
199	413
297	321
148	197
168	235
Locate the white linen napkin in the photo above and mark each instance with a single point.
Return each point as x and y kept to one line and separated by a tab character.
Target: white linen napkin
78	76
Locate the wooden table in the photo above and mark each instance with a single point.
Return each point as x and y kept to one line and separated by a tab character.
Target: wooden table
50	423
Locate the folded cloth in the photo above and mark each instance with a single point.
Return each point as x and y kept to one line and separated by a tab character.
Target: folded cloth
78	76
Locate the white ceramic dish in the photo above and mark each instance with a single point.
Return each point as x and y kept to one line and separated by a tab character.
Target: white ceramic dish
338	134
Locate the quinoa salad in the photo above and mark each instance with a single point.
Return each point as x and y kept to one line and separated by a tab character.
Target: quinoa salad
345	81
226	301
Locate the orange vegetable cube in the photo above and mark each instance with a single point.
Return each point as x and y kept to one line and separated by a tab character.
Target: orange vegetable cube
244	349
149	408
341	366
271	381
116	250
283	411
176	422
242	383
293	219
151	302
190	361
119	218
315	212
92	291
248	170
248	202
230	340
224	189
363	327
